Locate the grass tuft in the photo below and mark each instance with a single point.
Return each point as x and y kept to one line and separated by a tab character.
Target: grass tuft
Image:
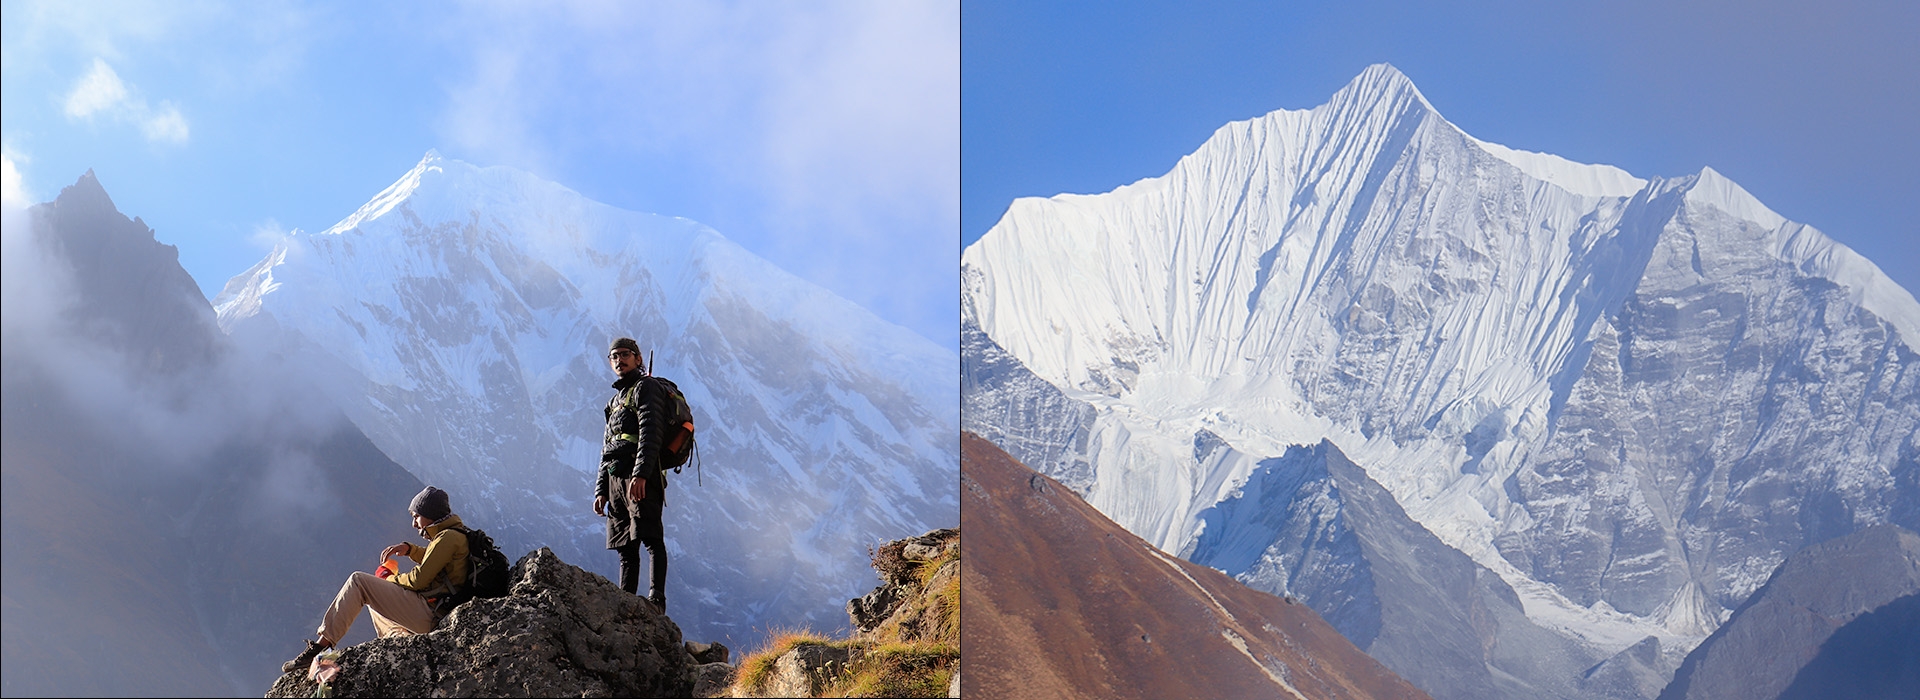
756	668
913	654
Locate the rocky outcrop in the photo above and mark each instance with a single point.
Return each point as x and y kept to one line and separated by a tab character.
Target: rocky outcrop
560	632
905	605
906	640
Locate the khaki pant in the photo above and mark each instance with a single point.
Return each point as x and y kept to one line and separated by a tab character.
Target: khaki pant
396	610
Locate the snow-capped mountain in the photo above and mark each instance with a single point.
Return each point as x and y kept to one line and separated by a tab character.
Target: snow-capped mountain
462	317
1630	399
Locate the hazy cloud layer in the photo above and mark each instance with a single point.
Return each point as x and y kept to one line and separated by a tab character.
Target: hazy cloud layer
178	419
833	127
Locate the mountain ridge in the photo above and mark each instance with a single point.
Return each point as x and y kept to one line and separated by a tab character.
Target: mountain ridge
1598	396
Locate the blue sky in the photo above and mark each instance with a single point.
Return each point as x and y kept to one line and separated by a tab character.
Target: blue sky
1812	107
823	136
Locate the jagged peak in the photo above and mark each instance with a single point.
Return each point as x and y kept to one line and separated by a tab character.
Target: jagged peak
87	188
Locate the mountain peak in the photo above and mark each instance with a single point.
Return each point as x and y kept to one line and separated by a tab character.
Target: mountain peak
86	189
393	195
1380	82
1813	252
1712	188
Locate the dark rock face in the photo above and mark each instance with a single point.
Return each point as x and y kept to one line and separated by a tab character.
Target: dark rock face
1791	620
560	632
132	290
1312	524
1877	655
867	611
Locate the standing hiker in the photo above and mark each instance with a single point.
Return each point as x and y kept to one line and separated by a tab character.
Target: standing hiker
401	603
631	489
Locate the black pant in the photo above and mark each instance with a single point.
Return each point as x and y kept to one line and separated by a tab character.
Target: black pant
630	566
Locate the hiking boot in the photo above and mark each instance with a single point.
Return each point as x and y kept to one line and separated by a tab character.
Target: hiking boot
659	601
306	657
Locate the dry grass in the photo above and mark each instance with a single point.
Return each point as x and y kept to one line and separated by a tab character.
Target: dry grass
757	667
899	671
913	654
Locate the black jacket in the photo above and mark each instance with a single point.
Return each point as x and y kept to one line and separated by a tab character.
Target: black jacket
636	425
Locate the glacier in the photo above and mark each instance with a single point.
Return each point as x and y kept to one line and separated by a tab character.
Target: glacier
1628	398
461	316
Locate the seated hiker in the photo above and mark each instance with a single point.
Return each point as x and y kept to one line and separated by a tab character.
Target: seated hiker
401	603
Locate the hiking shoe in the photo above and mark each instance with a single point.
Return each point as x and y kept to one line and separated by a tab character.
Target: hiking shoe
306	657
659	601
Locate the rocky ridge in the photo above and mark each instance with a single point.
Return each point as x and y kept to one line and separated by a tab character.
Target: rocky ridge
906	639
559	632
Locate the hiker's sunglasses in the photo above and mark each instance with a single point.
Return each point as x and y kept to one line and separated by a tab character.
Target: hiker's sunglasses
615	355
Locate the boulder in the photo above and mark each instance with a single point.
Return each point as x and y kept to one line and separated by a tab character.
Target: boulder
807	670
711	680
560	631
868	611
708	653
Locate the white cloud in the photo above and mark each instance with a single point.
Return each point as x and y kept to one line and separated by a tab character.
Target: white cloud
102	92
268	234
165	125
98	90
13	195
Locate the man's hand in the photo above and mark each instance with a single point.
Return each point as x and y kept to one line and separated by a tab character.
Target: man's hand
397	550
637	490
600	505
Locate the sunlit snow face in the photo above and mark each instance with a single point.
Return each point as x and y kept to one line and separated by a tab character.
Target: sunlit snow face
623	361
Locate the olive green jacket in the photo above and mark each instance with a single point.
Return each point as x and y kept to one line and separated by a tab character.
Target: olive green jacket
442	564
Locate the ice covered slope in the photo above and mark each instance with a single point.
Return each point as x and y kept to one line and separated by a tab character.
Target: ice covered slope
1630	398
464	313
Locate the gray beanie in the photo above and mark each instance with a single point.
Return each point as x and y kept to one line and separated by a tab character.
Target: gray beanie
624	343
430	504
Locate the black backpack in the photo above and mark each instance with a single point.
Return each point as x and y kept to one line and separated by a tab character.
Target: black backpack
486	572
677	442
676	439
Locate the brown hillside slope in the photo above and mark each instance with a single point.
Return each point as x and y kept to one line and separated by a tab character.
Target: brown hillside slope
1061	602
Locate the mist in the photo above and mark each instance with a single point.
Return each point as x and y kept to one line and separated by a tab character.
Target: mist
178	507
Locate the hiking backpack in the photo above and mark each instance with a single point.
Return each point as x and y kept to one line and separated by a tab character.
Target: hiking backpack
486	572
676	444
676	439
